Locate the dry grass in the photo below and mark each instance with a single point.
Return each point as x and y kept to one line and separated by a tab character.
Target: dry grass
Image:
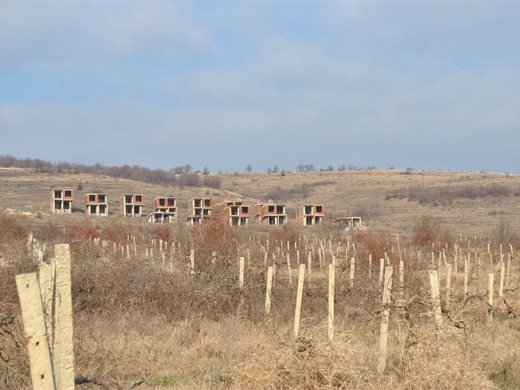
346	192
138	317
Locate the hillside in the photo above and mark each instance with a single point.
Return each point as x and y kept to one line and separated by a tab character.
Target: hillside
361	193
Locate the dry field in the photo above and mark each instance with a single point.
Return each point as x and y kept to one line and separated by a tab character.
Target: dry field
142	318
362	193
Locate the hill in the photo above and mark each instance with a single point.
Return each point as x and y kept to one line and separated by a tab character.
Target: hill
469	202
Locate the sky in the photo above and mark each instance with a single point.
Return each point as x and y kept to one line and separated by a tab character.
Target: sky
427	85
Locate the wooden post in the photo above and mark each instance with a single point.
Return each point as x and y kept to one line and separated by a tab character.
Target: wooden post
501	286
192	262
401	278
274	271
383	333
508	271
352	271
436	301
448	285
35	332
289	268
466	275
455	261
63	357
241	274
309	266
381	271
331	302
370	266
477	260
241	263
268	290
491	280
299	294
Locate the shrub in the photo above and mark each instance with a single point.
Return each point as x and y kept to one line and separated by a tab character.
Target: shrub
445	195
188	180
425	231
503	232
212	182
83	231
300	190
374	244
115	231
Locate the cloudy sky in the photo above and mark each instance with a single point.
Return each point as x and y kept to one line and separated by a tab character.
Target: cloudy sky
429	85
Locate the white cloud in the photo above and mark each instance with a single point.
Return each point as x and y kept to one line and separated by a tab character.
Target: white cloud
350	94
62	35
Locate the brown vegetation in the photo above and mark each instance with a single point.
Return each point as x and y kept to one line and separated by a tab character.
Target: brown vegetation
445	195
146	317
298	191
181	176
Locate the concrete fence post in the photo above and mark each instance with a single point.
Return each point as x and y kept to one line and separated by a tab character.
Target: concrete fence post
466	275
46	278
63	351
448	285
35	332
401	278
268	289
436	302
352	271
289	269
309	266
381	272
501	285
299	295
241	273
491	281
383	333
331	303
508	271
192	262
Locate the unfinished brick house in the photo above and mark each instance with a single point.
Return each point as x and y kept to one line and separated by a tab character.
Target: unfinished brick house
165	209
61	201
131	205
348	223
271	213
199	210
237	213
96	204
310	214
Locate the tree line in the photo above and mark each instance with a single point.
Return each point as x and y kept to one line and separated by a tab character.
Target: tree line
181	176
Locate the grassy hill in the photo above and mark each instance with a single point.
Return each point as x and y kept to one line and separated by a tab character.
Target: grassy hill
469	203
